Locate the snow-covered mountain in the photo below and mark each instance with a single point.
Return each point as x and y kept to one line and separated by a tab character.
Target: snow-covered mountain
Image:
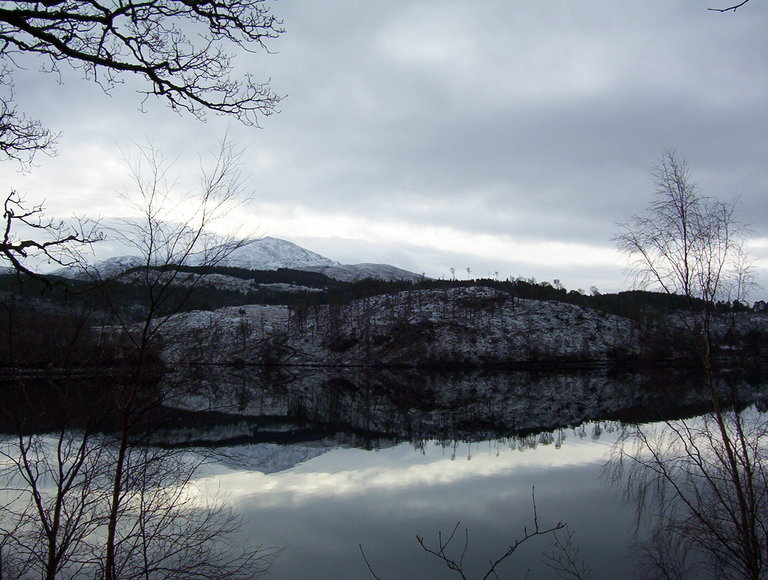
262	254
273	253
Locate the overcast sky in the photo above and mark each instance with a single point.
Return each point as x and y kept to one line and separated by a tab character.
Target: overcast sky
504	137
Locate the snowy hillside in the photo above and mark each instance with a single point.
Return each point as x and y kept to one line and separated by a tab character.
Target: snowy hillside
459	327
355	272
446	327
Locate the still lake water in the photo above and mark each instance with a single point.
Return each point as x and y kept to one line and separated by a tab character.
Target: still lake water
320	510
322	463
473	454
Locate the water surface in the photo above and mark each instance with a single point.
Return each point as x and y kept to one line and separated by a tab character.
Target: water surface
321	510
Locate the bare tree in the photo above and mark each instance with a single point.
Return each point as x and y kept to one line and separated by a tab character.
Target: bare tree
54	502
690	245
180	49
707	477
56	511
168	237
170	527
705	495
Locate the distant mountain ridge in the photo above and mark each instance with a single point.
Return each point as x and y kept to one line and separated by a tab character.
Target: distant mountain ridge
354	272
263	254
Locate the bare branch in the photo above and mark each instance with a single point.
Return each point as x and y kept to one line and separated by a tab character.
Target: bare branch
733	8
537	531
564	558
367	563
57	242
147	39
456	565
182	50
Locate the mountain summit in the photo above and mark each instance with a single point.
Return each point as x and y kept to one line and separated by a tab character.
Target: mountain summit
273	253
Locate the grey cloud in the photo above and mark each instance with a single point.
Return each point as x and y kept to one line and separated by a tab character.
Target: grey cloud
539	121
380	133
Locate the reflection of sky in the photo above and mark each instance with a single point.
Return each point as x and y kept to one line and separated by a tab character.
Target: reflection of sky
357	471
321	510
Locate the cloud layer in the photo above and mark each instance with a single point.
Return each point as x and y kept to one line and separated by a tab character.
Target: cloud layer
503	137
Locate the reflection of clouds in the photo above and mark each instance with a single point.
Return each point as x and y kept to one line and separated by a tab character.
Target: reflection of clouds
338	472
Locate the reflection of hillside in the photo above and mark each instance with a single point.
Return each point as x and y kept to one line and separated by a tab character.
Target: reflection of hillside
270	419
446	406
272	457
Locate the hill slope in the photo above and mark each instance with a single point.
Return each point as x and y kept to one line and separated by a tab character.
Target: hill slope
473	326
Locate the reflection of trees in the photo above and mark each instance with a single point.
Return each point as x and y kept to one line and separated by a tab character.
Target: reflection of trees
701	487
56	508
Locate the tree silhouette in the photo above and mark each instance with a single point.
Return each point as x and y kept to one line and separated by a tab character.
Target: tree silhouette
57	241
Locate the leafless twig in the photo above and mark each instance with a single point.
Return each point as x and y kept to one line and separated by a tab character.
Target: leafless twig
730	8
